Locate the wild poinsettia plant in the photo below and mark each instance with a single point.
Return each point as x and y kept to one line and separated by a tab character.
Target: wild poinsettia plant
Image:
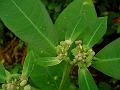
53	49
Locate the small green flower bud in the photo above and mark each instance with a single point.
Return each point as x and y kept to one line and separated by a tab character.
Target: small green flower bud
27	87
17	88
68	42
4	86
12	87
23	83
9	86
78	42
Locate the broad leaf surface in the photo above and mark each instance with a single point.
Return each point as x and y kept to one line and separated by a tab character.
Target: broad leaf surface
49	78
72	21
86	82
108	59
2	74
29	20
92	35
89	12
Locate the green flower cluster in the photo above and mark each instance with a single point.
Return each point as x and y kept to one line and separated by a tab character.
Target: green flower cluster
62	49
83	55
16	83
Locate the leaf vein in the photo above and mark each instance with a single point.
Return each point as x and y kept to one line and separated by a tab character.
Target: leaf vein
36	28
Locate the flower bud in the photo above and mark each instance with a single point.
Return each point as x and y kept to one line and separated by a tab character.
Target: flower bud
23	83
4	86
27	87
9	86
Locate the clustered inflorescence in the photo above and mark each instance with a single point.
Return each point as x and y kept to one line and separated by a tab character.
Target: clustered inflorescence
62	50
83	55
16	83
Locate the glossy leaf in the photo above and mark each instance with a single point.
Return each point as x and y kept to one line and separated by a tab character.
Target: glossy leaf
108	59
86	82
29	20
72	21
92	35
49	78
2	74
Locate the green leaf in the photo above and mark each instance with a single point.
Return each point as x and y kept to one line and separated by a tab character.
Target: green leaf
93	34
49	78
29	20
2	74
72	21
90	12
42	60
28	64
33	58
47	61
108	59
65	78
86	82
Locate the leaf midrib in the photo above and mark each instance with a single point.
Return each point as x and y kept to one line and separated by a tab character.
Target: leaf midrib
36	28
86	80
94	34
28	64
107	59
77	23
53	59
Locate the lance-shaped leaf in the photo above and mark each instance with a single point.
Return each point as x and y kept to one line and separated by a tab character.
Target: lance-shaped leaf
47	61
33	58
90	12
42	60
86	82
49	78
72	21
92	35
28	64
29	20
108	59
2	74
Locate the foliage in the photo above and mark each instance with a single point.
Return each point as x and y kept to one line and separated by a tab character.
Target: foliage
53	49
